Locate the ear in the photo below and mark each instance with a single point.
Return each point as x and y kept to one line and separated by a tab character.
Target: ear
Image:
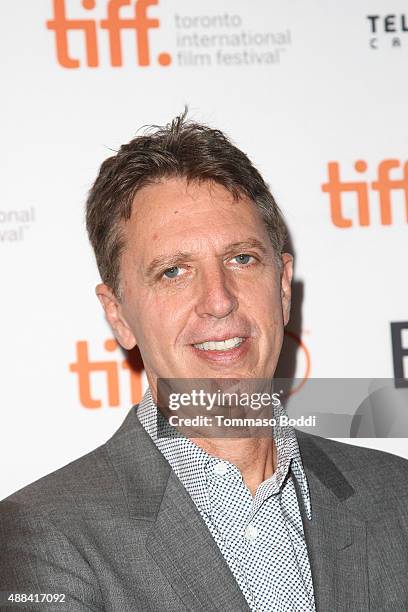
114	315
286	280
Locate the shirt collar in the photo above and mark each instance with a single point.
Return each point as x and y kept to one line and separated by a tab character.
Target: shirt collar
189	461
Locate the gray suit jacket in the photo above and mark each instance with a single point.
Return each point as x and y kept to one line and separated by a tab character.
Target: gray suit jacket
116	530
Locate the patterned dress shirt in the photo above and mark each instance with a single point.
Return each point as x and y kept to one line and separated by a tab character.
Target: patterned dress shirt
261	538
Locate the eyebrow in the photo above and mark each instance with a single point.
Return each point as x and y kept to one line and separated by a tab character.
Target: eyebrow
250	243
166	261
162	262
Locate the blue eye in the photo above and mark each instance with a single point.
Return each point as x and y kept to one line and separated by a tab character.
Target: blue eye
172	272
243	258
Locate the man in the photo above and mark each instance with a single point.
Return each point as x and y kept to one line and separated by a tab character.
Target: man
189	240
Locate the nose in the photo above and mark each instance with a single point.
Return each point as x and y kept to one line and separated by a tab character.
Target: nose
217	295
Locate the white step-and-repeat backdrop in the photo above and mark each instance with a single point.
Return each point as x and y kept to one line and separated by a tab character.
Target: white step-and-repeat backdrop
314	91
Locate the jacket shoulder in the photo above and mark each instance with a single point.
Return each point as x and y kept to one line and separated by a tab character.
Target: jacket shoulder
70	487
91	478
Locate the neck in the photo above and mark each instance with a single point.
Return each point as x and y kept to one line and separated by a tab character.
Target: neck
256	458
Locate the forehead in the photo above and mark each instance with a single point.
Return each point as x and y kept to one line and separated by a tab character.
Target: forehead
174	211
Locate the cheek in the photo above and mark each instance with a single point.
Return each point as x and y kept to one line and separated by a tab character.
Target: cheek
263	301
161	318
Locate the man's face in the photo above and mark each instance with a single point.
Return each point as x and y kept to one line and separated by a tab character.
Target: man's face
203	296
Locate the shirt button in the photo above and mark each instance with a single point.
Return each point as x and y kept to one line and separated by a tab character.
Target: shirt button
251	533
221	468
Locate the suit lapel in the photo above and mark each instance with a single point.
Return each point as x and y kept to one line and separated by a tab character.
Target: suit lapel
179	541
335	537
188	556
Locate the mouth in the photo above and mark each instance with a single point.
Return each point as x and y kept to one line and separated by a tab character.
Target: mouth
225	350
219	345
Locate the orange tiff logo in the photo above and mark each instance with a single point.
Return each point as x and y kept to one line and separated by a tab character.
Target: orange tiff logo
384	185
83	367
113	24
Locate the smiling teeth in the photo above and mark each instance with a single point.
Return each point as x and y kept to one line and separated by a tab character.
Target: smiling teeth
224	345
